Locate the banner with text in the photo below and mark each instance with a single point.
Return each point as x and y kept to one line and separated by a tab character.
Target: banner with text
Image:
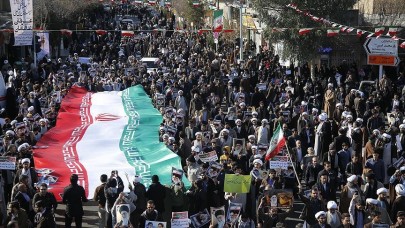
237	183
23	21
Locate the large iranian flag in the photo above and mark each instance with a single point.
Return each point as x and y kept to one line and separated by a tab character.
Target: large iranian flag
276	143
100	132
218	23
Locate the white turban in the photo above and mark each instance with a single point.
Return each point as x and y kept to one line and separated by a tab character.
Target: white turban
382	190
400	189
25	160
331	205
352	178
372	201
319	214
137	179
258	161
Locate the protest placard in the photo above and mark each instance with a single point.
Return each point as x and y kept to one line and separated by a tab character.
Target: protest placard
177	175
7	162
237	183
234	210
218	216
208	157
200	219
154	224
180	220
280	162
123	213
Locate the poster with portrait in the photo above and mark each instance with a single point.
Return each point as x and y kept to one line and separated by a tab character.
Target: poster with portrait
214	169
42	38
200	219
234	211
238	147
259	174
177	175
155	224
218	216
231	113
281	198
123	213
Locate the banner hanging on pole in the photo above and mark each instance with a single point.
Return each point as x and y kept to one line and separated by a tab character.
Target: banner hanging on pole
23	21
218	23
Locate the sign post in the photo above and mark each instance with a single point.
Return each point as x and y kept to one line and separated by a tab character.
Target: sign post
381	52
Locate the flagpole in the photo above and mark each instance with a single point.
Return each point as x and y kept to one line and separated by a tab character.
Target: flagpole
292	163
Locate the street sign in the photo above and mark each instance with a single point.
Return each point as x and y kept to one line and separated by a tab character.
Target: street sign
381	46
382	60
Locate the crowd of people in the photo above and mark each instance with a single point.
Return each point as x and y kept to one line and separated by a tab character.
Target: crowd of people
340	136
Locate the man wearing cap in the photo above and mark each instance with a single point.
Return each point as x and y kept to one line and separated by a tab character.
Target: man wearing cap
321	220
27	170
400	220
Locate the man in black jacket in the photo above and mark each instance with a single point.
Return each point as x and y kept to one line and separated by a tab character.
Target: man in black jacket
73	196
99	196
150	214
311	174
157	193
312	205
44	217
